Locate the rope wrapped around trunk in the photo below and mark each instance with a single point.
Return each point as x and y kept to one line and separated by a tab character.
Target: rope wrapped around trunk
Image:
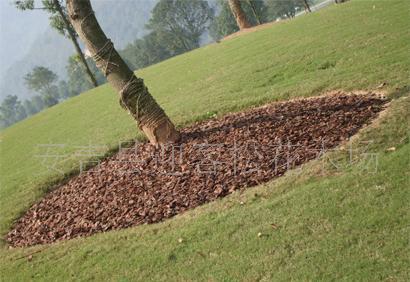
135	97
103	56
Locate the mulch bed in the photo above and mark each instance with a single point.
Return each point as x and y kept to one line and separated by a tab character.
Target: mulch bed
144	184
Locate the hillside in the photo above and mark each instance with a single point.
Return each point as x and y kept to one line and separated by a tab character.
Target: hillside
315	224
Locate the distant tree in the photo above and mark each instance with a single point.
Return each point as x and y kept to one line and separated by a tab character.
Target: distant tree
77	77
128	55
11	111
284	9
59	21
259	11
224	22
147	51
306	5
29	107
289	8
42	80
63	90
176	27
180	23
239	14
38	102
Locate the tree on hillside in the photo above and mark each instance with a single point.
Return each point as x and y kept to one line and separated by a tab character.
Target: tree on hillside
224	23
38	102
259	11
63	90
306	5
11	111
42	80
180	23
239	14
286	9
59	21
134	95
29	107
34	105
176	27
77	77
147	51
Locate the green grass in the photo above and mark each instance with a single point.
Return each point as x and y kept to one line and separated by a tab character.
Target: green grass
348	224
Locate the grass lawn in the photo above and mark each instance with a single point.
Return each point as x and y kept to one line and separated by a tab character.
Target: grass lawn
348	223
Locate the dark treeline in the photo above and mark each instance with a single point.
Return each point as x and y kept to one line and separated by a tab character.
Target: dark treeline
175	27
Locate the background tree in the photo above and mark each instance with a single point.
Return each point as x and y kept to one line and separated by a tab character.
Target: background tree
179	24
284	9
134	95
239	14
42	80
59	21
77	81
257	11
38	102
34	105
224	22
11	111
306	5
63	90
147	51
176	27
29	107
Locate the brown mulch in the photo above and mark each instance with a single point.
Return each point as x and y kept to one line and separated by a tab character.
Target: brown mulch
143	184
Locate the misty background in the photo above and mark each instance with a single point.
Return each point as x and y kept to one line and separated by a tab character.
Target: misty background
27	40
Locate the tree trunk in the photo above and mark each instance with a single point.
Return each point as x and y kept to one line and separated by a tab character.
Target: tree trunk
75	42
239	14
134	95
307	7
254	12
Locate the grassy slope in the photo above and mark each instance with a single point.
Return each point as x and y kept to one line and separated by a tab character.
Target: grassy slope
347	224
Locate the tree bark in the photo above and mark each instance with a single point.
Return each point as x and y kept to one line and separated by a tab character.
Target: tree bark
307	7
134	95
239	14
254	12
75	43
